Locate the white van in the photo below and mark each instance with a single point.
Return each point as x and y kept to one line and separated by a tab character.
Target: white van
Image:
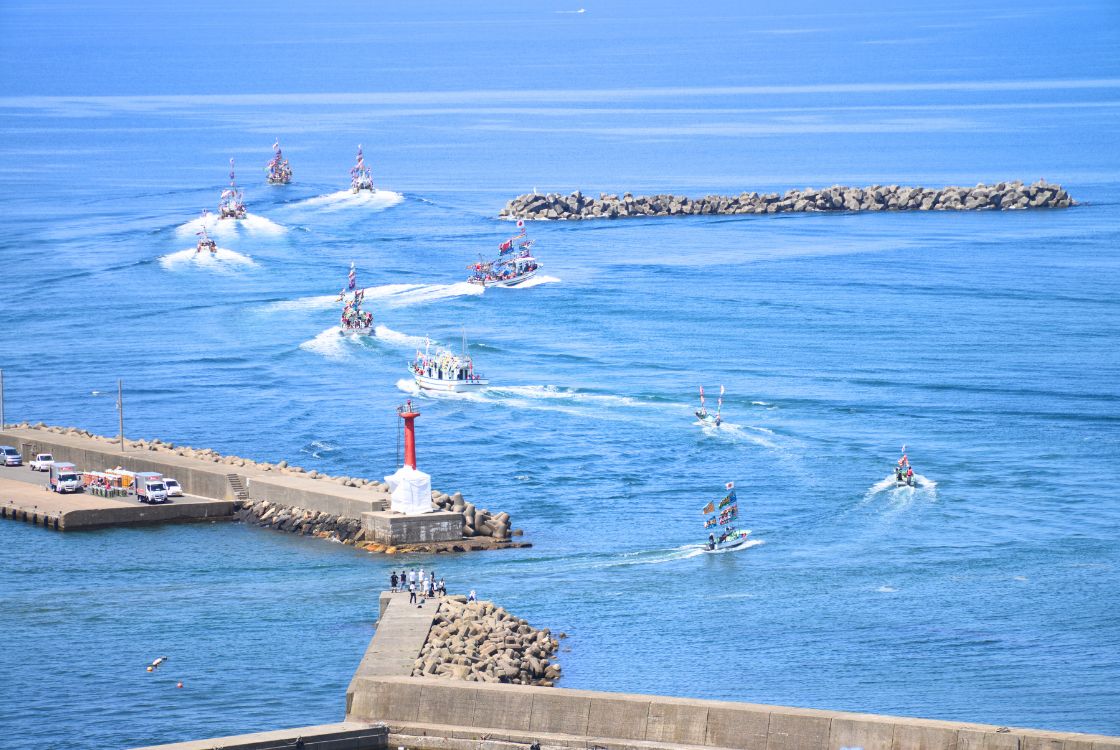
173	488
9	456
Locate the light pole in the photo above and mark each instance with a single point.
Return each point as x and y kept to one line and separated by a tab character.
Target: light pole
120	410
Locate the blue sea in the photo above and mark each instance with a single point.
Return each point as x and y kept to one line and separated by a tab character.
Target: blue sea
984	342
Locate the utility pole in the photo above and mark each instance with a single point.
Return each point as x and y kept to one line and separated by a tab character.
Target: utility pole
120	410
2	423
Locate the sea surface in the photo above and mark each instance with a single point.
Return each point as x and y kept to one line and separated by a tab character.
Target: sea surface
984	342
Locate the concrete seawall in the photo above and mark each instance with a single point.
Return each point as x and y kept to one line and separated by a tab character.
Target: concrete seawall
343	736
1003	196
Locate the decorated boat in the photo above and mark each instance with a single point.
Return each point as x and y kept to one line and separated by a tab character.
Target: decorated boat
354	320
514	265
706	417
453	373
722	524
279	171
360	177
903	471
205	243
232	203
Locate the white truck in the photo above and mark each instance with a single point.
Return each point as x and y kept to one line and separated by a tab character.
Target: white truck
64	478
149	487
41	462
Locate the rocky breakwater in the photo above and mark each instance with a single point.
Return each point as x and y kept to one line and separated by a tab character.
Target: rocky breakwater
1004	196
480	642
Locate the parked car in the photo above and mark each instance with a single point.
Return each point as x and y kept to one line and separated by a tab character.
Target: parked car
65	477
173	488
41	462
10	456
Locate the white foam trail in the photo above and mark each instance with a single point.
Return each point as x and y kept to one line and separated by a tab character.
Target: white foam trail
886	590
378	199
396	295
330	344
223	259
389	336
553	392
228	227
735	433
759	403
536	281
745	545
433	292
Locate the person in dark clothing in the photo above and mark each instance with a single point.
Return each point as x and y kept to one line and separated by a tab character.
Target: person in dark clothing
412	593
393	581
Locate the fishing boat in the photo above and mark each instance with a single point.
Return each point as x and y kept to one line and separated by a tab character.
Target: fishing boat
707	418
354	320
232	203
514	265
451	373
903	472
721	519
205	243
360	178
279	171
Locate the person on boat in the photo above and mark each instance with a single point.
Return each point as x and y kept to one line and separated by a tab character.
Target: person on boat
711	541
910	475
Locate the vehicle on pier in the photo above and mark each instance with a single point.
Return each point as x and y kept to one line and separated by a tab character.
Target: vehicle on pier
514	265
174	489
64	477
205	243
722	516
279	171
354	320
447	372
41	462
148	487
9	456
231	204
360	177
706	417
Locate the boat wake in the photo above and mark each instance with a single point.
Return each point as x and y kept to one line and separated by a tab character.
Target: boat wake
379	199
888	484
536	281
394	295
389	336
738	433
540	397
223	260
661	556
229	227
745	545
330	344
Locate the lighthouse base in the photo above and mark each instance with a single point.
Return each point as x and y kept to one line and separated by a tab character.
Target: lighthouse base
390	528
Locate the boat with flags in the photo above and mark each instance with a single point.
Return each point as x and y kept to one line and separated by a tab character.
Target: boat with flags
354	320
360	177
903	471
706	417
231	205
447	372
514	265
205	243
722	522
279	170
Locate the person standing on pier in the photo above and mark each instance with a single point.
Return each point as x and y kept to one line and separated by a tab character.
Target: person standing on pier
471	598
412	593
393	582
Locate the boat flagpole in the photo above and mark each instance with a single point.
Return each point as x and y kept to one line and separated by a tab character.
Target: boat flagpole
701	398
719	404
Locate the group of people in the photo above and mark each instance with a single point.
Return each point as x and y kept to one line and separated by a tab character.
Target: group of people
417	581
446	367
353	316
904	472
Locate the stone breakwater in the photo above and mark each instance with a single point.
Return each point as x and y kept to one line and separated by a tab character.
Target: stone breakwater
480	642
1004	196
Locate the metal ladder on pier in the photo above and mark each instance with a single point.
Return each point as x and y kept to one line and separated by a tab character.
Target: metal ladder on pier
239	491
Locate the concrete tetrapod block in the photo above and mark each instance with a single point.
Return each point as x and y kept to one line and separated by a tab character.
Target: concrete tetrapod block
560	713
739	728
918	737
503	709
790	731
622	718
446	704
868	735
670	721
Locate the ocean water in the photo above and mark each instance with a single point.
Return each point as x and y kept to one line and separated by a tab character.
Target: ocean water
986	343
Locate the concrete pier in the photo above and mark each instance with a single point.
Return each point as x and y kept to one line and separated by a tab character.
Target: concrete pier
32	503
347	735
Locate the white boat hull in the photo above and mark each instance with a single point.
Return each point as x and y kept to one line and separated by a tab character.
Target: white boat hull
358	331
505	282
449	386
730	544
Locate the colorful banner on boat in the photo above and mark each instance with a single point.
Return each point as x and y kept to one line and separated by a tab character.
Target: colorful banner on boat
727	500
710	522
709	508
729	515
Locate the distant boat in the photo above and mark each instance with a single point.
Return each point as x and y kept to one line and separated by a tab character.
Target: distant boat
903	472
354	320
723	517
231	205
279	171
205	243
446	372
514	265
706	417
360	177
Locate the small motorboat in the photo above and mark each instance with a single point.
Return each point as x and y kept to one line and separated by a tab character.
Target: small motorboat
231	205
904	475
706	418
723	516
354	320
511	267
205	243
279	171
360	177
446	372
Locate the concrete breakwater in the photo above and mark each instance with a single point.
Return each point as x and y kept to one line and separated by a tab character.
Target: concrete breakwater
1003	196
481	642
279	495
